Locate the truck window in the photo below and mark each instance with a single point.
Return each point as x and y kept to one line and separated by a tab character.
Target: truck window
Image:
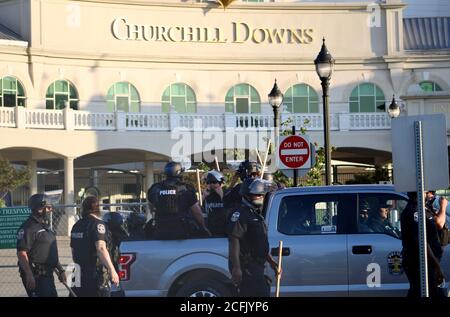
380	213
315	214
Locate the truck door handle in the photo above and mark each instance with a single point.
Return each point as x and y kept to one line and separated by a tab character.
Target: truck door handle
362	249
284	251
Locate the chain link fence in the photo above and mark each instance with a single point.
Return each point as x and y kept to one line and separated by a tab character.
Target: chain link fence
63	218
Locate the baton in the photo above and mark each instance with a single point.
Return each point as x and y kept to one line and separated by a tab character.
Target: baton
280	255
67	286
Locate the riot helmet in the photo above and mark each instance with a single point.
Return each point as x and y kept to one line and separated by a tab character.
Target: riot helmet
136	220
38	201
173	169
253	191
116	224
248	169
214	177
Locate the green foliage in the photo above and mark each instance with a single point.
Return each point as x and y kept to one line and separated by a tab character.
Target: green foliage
11	178
314	176
203	167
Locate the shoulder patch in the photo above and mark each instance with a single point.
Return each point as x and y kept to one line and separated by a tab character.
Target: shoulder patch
101	228
20	234
416	216
235	216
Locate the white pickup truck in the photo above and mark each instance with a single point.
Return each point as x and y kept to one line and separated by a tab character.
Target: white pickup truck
329	249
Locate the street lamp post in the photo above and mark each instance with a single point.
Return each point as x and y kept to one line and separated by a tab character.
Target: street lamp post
275	100
324	68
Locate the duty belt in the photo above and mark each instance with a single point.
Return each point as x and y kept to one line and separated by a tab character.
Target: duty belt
42	269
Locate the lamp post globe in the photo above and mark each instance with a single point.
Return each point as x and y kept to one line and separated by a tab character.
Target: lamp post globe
394	109
324	68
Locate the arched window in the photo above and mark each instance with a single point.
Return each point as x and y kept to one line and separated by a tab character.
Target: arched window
181	96
242	98
301	98
11	92
59	93
429	86
367	97
123	96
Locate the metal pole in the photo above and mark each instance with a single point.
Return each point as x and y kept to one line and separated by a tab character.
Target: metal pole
326	131
421	207
276	124
295	170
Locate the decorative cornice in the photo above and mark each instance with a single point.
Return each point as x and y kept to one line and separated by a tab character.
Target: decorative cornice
250	6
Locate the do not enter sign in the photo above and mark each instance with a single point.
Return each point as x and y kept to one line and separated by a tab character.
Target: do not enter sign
294	152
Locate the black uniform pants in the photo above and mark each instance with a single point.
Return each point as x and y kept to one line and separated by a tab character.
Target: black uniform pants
254	282
93	284
412	271
45	286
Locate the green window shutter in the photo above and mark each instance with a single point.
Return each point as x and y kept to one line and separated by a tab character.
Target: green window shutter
134	93
367	89
74	104
110	94
367	104
288	93
20	90
122	88
242	105
254	94
190	95
60	101
354	93
9	83
73	92
166	95
165	107
241	90
49	104
179	103
134	106
122	103
300	104
314	107
229	106
61	86
50	91
354	107
256	107
178	90
437	87
300	90
191	107
20	101
110	106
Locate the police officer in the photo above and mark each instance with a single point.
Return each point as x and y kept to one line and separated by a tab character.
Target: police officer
248	242
410	241
178	214
89	243
247	169
213	203
117	233
37	251
136	226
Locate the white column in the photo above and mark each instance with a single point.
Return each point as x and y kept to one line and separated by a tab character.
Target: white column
32	164
69	195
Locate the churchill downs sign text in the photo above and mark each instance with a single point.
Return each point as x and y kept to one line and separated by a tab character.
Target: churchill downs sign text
241	32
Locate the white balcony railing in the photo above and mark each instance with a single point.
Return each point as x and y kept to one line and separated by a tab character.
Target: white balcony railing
7	117
69	119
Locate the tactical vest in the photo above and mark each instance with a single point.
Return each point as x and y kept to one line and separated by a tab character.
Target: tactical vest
167	193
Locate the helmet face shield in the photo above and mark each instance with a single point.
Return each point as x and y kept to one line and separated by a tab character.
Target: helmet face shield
214	177
173	169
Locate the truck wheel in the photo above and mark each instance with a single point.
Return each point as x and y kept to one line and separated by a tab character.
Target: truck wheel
204	288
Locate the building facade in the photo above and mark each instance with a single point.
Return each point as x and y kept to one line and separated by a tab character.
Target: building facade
95	83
